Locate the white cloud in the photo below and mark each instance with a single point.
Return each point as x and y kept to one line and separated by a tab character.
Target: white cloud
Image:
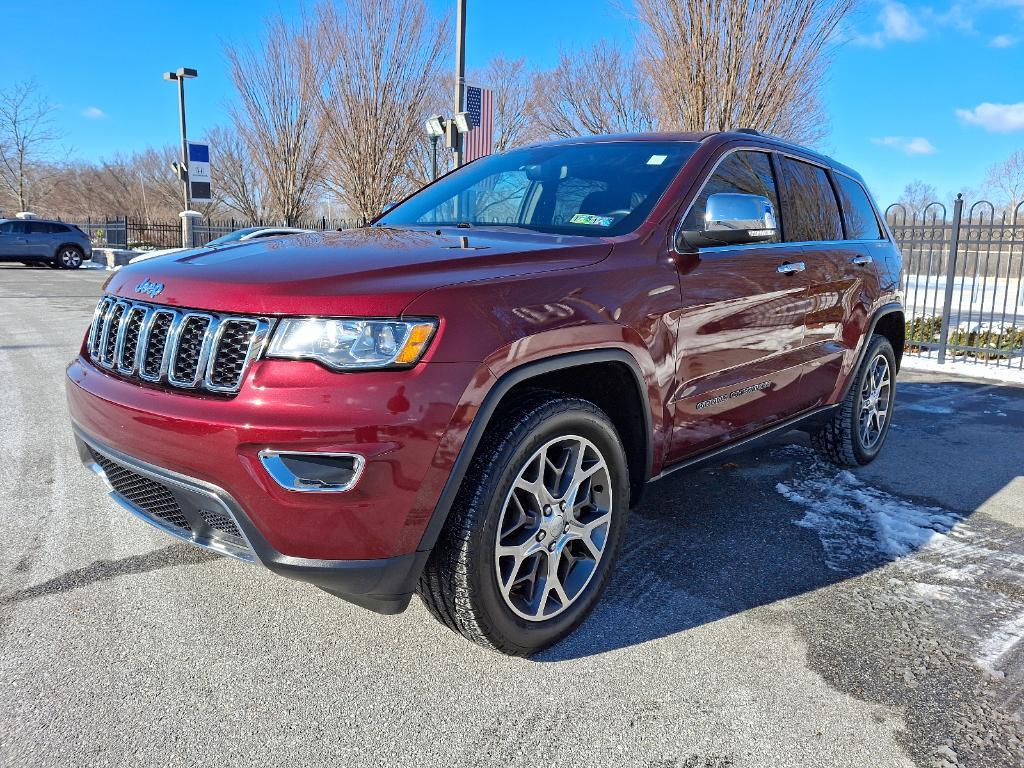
93	113
1003	41
995	118
897	23
916	145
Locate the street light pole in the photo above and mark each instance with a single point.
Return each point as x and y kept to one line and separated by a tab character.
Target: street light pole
460	77
180	75
185	191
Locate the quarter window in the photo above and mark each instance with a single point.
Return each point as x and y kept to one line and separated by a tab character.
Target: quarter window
861	223
809	208
749	172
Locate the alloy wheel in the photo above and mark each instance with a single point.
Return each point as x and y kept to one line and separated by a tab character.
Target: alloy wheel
553	528
70	258
875	402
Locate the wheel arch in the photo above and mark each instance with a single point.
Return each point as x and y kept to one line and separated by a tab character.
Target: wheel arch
888	320
68	244
565	373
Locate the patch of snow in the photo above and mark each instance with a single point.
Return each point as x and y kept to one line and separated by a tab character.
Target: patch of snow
957	367
926	408
856	522
1000	643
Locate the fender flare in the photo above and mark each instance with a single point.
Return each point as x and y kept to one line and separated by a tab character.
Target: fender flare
489	407
885	309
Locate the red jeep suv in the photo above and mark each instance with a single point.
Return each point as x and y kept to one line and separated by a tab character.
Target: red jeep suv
465	399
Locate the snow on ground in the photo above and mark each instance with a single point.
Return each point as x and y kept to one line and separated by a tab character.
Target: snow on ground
854	520
1000	642
956	367
964	569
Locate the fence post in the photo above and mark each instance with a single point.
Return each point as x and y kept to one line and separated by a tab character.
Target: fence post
947	301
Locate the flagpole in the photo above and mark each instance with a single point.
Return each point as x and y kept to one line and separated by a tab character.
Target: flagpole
460	77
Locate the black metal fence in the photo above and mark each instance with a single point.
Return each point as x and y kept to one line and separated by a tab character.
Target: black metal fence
132	233
963	281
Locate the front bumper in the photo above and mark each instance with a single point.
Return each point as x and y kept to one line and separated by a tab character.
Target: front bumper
206	515
364	544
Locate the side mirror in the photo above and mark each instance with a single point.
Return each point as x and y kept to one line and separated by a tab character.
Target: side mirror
731	218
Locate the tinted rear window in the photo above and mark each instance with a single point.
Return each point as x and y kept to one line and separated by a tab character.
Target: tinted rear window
809	208
861	223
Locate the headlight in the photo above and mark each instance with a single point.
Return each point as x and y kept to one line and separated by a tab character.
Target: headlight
347	345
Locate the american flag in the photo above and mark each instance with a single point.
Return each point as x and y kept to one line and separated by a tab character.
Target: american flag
480	139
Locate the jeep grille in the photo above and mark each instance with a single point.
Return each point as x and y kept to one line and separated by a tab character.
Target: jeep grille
183	348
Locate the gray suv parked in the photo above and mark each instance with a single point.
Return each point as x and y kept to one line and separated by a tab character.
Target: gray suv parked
62	246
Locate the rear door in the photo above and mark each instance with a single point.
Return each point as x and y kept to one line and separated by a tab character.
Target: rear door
741	324
42	239
838	300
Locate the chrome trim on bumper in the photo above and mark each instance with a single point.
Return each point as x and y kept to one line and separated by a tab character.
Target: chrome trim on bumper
284	477
187	487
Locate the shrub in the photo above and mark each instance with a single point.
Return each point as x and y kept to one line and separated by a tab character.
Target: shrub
988	344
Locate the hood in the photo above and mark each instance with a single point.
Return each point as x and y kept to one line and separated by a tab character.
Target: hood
362	272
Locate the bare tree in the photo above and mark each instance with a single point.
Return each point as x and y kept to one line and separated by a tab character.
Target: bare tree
236	177
741	63
510	81
277	116
593	91
1005	182
916	196
382	60
28	142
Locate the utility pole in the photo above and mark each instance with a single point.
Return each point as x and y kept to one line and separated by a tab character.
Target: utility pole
460	78
180	76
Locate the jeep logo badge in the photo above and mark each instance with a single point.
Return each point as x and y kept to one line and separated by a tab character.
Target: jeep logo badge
149	288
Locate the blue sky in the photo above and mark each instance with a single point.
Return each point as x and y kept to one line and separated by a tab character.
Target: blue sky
931	91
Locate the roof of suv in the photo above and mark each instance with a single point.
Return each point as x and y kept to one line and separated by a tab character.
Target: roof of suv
39	221
717	136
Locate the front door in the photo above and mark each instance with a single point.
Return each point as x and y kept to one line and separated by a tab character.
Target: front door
740	325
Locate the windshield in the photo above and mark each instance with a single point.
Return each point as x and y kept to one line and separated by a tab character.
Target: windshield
595	189
231	237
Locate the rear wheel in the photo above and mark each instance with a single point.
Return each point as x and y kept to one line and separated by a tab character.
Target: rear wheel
530	541
857	430
69	257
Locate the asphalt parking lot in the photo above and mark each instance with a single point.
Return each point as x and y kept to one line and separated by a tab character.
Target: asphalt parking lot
770	610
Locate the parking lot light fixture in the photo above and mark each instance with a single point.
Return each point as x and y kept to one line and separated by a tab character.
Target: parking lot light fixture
435	130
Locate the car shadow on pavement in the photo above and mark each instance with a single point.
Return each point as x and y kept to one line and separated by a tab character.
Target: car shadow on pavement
713	542
102	570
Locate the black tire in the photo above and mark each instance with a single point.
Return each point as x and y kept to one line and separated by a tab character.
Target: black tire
69	257
459	585
841	440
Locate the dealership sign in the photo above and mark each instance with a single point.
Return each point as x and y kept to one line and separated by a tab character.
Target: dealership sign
199	172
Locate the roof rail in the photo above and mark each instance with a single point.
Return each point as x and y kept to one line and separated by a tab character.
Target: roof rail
751	131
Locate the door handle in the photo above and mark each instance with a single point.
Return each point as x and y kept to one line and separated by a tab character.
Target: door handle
860	260
791	267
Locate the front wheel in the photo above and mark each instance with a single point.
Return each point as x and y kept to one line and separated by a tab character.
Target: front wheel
530	541
855	433
69	257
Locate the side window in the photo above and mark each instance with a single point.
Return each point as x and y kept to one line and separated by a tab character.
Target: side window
39	228
861	223
7	228
745	171
14	228
57	229
809	208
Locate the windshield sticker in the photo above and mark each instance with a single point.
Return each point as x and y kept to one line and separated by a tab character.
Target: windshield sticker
657	159
589	218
